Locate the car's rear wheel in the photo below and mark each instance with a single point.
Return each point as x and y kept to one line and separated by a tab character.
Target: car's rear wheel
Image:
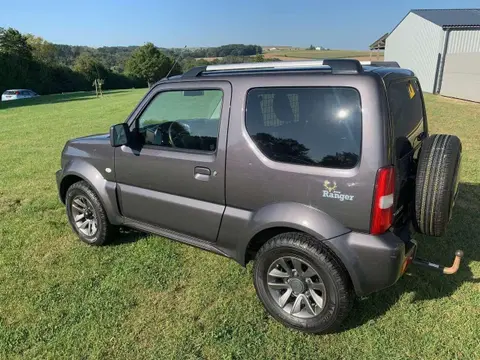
302	284
87	215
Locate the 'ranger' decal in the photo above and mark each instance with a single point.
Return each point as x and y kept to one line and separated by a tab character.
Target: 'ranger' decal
332	192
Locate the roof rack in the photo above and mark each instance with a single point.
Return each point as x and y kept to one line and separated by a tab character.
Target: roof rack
337	66
269	65
392	64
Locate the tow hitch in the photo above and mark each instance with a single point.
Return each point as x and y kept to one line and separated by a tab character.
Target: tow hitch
444	270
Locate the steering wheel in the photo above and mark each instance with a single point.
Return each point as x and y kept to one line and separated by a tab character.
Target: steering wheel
175	130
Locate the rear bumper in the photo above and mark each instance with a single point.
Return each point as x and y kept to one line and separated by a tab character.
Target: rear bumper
374	262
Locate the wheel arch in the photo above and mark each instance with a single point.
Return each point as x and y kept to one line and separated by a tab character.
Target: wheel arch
278	218
105	190
66	182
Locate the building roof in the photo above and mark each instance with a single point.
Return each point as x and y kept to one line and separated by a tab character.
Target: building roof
380	43
451	18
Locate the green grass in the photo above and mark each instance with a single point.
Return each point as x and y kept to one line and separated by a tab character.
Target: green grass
157	299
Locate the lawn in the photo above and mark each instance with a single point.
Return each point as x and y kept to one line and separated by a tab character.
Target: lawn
152	298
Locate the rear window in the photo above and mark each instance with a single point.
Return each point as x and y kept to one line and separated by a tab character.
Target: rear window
406	107
10	92
318	126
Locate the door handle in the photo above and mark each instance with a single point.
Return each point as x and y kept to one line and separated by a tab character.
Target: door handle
202	173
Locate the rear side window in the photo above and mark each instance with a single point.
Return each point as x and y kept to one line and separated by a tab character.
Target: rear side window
10	92
406	107
318	126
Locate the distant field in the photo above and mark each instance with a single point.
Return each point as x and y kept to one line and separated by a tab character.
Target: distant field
317	54
292	55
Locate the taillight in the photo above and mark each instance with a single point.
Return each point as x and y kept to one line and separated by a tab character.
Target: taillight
382	211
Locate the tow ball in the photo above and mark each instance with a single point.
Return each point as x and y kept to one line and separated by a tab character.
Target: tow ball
444	270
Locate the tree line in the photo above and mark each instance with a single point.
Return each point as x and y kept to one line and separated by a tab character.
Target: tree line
222	51
29	61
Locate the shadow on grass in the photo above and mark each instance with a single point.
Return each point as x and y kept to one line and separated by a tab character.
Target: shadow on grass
127	236
57	98
463	233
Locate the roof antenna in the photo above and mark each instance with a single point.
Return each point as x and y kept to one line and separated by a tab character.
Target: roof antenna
175	62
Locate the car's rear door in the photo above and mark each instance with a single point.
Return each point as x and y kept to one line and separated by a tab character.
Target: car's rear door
409	127
179	187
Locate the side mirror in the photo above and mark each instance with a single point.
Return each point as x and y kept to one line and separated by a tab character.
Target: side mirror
119	134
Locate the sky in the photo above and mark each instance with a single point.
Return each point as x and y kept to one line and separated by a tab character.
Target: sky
345	24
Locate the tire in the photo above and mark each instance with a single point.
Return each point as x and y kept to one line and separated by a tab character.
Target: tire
104	230
437	183
337	292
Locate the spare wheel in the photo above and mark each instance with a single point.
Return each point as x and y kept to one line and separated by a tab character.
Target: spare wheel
437	183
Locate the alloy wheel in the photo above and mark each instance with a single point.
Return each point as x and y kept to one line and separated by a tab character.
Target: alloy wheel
84	215
296	287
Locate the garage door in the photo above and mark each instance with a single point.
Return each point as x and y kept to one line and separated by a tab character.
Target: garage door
461	76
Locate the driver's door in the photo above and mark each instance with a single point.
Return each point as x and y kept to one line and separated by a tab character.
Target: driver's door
173	176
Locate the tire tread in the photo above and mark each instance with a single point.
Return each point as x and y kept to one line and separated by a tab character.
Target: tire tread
436	173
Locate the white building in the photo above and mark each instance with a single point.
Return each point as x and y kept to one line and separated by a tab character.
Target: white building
442	47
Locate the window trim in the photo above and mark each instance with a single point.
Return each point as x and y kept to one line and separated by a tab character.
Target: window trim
151	96
244	123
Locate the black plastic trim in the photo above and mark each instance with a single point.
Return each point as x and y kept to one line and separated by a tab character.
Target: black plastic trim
194	72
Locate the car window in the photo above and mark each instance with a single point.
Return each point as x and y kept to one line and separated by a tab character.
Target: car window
318	126
183	119
10	92
406	107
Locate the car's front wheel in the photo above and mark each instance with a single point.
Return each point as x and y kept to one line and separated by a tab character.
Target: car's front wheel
302	284
87	215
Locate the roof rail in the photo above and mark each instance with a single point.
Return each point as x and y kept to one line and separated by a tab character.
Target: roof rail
194	72
336	65
268	65
393	64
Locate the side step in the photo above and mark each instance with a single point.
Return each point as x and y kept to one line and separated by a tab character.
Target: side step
444	270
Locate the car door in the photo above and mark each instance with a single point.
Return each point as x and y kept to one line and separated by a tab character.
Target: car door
172	175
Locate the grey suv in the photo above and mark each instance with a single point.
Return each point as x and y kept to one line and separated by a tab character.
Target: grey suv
319	171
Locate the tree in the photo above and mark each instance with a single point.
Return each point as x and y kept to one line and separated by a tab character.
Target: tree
311	47
14	43
258	58
148	63
90	67
42	50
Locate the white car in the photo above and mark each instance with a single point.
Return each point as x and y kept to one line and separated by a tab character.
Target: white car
16	94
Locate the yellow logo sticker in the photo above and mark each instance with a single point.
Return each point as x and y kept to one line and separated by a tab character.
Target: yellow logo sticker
330	187
411	91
